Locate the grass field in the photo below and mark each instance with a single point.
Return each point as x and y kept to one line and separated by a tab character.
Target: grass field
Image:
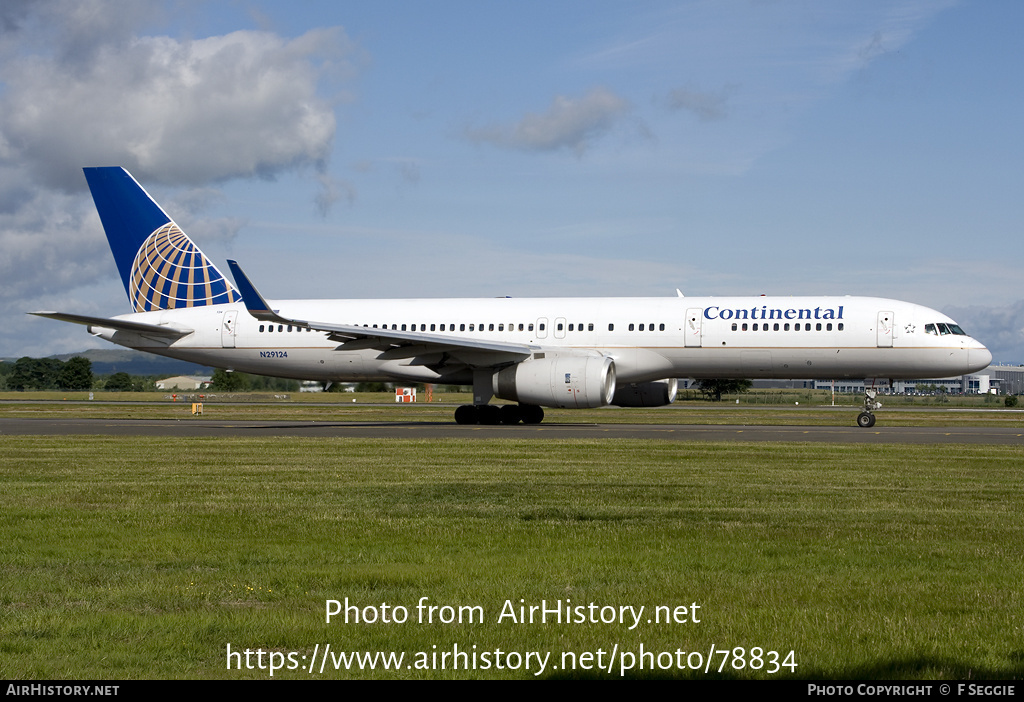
146	558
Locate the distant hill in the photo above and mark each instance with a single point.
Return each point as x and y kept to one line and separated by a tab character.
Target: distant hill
107	361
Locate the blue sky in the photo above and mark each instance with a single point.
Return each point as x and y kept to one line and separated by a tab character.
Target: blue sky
393	149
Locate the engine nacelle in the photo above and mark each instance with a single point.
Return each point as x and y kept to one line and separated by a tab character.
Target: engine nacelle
574	381
653	394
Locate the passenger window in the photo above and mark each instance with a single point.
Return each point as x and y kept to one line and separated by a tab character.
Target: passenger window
590	327
776	326
734	327
828	327
261	327
840	327
570	327
529	326
611	327
661	327
631	326
817	326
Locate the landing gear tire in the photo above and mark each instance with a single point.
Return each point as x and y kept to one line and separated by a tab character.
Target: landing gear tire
466	414
508	415
488	414
866	420
531	414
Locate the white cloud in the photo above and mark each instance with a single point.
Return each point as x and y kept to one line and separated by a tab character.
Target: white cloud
190	112
51	243
80	86
570	123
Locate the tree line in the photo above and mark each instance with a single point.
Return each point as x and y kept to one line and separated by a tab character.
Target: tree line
47	374
76	374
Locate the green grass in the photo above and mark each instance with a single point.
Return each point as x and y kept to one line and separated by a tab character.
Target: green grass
145	558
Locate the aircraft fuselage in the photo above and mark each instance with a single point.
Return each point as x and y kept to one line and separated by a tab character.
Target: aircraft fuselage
647	338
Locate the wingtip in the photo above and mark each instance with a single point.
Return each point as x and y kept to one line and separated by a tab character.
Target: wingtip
254	302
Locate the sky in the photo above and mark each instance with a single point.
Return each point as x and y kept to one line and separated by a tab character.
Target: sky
472	148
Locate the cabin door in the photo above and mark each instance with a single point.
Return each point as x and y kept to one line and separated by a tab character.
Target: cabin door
884	329
227	329
691	335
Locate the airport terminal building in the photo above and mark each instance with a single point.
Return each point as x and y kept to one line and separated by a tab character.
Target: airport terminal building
998	380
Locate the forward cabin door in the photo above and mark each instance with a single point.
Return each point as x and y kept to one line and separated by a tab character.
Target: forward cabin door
692	333
884	329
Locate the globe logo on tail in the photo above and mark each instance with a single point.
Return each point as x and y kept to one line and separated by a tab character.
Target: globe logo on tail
170	272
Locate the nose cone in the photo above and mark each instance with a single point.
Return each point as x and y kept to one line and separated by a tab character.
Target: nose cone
978	357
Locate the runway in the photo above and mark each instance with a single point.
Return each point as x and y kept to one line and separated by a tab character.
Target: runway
200	427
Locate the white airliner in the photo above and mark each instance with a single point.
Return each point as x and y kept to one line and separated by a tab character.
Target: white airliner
537	352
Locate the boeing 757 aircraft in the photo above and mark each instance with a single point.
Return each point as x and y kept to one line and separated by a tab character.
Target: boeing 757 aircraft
536	352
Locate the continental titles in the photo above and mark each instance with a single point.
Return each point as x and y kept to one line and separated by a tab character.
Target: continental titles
765	312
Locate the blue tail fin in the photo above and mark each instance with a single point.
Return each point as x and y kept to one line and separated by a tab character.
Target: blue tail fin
160	266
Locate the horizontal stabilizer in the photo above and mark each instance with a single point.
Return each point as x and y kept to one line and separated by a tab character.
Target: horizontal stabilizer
118	324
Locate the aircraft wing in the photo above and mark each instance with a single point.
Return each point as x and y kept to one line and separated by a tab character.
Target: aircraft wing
161	330
393	343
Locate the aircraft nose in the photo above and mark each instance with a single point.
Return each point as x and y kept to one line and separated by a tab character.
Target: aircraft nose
978	356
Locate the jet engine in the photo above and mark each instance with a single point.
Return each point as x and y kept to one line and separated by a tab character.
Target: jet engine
653	394
565	380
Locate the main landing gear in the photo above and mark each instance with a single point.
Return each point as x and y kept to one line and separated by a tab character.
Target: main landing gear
499	414
866	418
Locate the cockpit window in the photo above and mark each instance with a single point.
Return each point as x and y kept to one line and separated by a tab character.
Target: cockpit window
943	329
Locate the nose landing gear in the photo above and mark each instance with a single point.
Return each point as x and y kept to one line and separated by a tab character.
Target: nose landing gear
866	418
